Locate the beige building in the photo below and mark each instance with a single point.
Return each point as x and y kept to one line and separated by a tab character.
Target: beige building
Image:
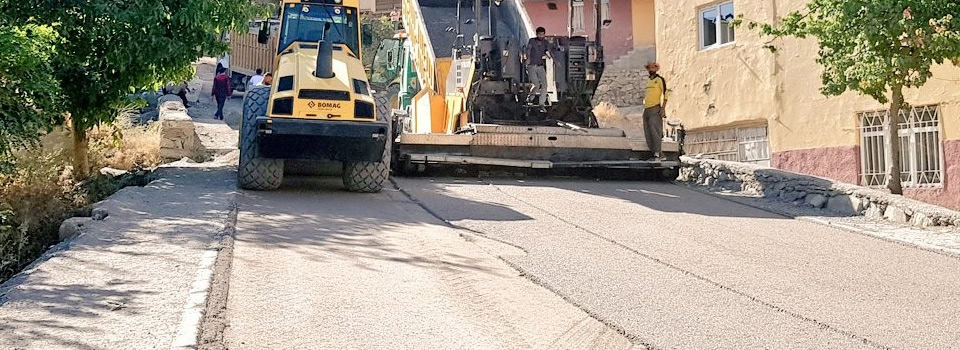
741	102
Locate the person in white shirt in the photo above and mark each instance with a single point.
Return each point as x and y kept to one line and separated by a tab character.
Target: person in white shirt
256	79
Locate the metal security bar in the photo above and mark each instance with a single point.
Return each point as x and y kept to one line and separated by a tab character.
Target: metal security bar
747	145
873	149
720	144
754	145
920	148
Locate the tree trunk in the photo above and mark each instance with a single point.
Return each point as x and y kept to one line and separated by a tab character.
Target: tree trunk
81	164
893	137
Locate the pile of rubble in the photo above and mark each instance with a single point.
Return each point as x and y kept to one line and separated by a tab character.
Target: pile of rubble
810	191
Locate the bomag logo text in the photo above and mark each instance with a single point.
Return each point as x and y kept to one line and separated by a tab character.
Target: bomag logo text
323	105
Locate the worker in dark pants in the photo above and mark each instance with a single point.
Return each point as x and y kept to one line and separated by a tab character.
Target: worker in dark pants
535	58
654	110
221	91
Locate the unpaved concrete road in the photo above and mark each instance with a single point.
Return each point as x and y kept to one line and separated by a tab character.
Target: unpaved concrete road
678	269
315	267
124	282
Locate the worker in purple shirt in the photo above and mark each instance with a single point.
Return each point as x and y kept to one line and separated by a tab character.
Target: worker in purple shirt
221	91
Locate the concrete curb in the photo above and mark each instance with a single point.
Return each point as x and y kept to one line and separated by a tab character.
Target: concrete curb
189	330
195	310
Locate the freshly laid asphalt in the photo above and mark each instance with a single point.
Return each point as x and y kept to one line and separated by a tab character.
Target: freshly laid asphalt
678	269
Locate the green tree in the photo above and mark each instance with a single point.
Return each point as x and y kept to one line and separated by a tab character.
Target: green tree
111	48
876	48
29	94
375	29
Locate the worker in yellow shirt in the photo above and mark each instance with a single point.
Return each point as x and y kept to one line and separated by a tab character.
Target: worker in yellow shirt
654	110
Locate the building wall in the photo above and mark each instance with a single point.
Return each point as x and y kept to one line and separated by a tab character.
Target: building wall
743	83
368	5
617	38
385	6
644	23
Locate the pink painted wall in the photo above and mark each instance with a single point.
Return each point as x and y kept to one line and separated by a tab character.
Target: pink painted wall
836	163
949	195
843	164
617	38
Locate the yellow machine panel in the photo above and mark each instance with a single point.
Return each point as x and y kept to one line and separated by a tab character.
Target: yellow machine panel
317	98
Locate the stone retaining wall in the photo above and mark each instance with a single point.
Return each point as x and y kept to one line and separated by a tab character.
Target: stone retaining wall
622	88
177	133
805	190
624	81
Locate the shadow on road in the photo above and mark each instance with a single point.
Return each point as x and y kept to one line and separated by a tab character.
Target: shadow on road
315	214
573	193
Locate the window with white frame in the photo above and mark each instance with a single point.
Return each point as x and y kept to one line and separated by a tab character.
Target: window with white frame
921	154
746	145
605	11
578	16
716	26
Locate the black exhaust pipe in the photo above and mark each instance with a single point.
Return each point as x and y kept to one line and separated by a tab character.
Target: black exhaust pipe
325	56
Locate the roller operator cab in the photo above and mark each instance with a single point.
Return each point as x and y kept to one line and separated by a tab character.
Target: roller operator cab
319	106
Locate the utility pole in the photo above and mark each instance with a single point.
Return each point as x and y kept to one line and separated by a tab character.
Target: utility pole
598	8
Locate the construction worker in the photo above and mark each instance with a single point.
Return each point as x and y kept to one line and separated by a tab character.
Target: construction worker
654	110
221	91
535	58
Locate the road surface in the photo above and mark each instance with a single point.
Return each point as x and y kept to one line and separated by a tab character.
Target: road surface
315	267
671	268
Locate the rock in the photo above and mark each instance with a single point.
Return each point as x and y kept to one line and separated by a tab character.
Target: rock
709	181
170	103
921	220
99	214
66	177
733	186
816	200
111	172
896	214
875	211
771	192
845	205
698	172
791	196
864	203
71	227
149	116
